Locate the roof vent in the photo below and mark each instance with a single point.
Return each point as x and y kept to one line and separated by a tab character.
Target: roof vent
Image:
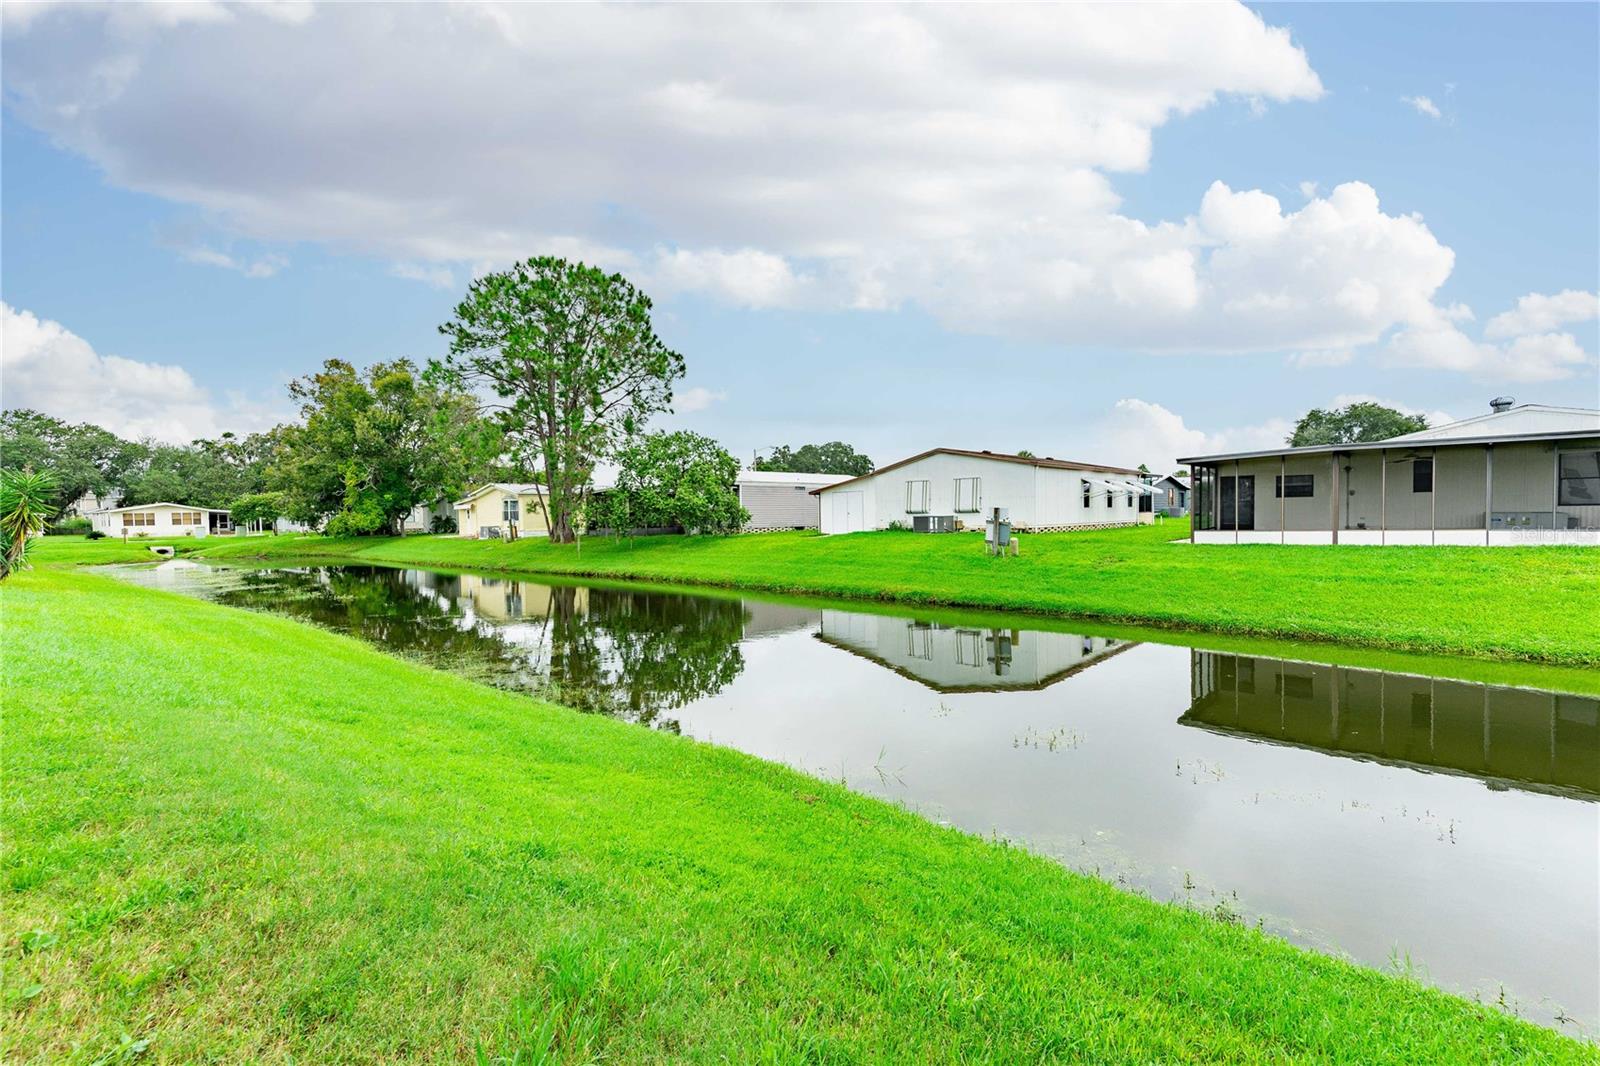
1501	404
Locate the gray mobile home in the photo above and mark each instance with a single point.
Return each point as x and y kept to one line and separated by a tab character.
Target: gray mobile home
1527	474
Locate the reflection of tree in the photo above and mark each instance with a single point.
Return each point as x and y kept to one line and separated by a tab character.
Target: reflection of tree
636	654
631	654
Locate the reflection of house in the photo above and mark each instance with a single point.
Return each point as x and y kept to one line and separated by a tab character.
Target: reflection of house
161	520
500	599
965	658
772	619
1519	475
1544	741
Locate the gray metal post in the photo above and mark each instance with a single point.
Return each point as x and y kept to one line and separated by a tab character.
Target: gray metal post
1488	488
1236	501
1433	497
1283	499
1383	497
1333	466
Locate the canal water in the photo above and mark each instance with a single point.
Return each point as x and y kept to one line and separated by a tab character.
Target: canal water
1444	827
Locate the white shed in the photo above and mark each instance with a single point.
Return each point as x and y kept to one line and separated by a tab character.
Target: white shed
778	499
1041	494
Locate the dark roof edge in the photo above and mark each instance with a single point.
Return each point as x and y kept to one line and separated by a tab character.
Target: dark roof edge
1400	445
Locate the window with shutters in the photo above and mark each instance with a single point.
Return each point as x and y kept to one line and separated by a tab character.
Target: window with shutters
916	497
968	494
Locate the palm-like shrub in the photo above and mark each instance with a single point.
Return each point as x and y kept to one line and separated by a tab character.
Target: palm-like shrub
24	508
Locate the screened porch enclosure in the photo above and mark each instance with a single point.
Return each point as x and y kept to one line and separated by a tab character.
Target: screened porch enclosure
1502	493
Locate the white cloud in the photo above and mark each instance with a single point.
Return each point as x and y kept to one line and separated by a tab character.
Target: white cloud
186	242
49	368
1520	345
695	398
1435	417
440	277
1137	431
1537	313
1423	106
1309	189
957	159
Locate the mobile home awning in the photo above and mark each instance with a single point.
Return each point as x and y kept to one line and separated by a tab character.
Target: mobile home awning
1122	486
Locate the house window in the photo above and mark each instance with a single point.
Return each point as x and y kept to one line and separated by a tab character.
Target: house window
1130	499
1110	502
916	497
138	518
510	510
967	494
1087	492
1422	475
1579	483
1295	486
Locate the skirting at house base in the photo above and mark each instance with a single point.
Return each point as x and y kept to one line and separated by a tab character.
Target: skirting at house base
1493	538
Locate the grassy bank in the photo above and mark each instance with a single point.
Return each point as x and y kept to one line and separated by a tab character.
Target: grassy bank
1512	603
229	837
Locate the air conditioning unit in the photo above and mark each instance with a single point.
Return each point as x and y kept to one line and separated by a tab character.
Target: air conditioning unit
933	523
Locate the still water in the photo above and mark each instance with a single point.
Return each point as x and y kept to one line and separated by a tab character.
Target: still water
1400	820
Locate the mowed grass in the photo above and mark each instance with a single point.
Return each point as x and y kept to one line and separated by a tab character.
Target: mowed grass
231	837
81	551
1535	604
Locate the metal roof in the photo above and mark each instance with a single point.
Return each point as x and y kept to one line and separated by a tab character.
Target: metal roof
1048	463
147	506
1526	422
788	477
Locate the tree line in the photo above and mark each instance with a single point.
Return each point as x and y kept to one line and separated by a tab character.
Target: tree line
553	369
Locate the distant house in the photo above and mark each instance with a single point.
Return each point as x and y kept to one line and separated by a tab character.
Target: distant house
780	500
161	520
89	503
954	488
420	519
1527	474
491	510
1170	498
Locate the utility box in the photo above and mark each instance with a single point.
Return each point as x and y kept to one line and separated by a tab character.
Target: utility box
997	530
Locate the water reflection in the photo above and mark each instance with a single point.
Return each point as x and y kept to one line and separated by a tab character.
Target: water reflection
1342	808
1543	741
954	658
630	654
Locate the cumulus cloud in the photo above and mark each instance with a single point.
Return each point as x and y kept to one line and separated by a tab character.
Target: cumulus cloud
1520	345
1423	106
956	159
1537	313
47	367
695	398
1138	431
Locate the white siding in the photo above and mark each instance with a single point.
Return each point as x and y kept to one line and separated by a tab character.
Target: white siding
780	506
1037	497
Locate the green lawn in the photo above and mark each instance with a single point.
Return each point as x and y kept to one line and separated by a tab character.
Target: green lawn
233	837
1533	604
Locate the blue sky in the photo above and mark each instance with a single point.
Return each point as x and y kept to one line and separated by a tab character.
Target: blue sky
196	213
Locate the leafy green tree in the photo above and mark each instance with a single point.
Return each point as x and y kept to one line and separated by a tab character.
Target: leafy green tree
259	507
674	479
1353	424
574	364
373	446
80	458
834	457
24	507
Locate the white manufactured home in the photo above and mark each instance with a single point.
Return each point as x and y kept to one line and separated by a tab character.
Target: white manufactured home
1527	474
778	499
950	488
161	520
